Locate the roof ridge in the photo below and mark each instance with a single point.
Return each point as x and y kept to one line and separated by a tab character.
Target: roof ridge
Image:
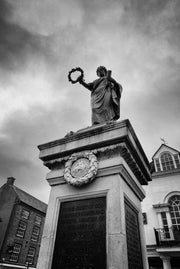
26	193
165	146
29	199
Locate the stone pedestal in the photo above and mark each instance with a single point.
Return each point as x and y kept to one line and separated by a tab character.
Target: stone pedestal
98	224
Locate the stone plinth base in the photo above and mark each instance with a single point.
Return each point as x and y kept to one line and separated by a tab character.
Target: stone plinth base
96	225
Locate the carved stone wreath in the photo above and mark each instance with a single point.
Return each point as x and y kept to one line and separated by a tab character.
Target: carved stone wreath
74	70
81	168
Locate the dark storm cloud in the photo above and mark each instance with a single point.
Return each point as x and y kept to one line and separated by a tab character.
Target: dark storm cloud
15	41
18	152
21	134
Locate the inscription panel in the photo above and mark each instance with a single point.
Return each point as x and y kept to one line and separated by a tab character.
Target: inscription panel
133	237
81	235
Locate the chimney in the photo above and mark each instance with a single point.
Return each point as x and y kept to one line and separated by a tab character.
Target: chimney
10	180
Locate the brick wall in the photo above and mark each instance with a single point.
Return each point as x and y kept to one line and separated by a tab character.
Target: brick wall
7	200
26	241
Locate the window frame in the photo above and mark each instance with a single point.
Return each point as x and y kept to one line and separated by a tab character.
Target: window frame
144	216
165	225
167	161
29	256
34	235
167	165
36	221
25	216
15	253
21	231
175	210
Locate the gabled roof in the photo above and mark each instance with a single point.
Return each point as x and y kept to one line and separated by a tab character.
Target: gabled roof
164	147
30	200
23	196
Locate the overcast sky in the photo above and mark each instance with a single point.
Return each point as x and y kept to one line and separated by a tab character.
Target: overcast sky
42	40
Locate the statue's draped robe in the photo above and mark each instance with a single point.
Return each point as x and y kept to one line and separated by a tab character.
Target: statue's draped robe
105	100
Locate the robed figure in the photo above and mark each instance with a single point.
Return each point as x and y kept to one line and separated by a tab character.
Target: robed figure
105	96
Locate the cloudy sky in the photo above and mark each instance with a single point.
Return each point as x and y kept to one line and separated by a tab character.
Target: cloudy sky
42	40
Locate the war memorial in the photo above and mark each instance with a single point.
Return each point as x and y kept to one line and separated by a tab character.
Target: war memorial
94	217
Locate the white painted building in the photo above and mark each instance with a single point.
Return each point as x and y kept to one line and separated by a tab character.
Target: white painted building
161	209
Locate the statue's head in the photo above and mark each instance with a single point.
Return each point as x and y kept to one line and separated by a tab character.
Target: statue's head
101	71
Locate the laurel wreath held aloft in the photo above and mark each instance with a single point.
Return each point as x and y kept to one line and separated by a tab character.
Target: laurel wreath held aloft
88	177
75	70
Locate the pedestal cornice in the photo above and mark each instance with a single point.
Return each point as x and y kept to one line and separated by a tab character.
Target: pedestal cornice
111	136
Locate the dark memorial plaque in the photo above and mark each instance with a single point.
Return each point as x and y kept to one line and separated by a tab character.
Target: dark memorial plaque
81	235
133	237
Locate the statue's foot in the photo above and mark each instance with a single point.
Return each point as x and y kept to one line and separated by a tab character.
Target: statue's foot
69	134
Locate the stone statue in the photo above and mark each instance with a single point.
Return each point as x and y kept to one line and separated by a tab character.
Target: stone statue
105	95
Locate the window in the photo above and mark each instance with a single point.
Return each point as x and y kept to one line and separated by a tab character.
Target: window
31	255
25	214
21	229
144	218
15	253
174	201
167	161
165	225
35	234
38	220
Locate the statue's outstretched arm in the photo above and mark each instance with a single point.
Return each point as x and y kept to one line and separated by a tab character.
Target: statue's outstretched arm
86	85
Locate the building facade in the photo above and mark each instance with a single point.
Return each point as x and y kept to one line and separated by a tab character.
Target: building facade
21	224
161	209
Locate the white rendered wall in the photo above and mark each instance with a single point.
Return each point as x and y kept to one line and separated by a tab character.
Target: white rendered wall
156	192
